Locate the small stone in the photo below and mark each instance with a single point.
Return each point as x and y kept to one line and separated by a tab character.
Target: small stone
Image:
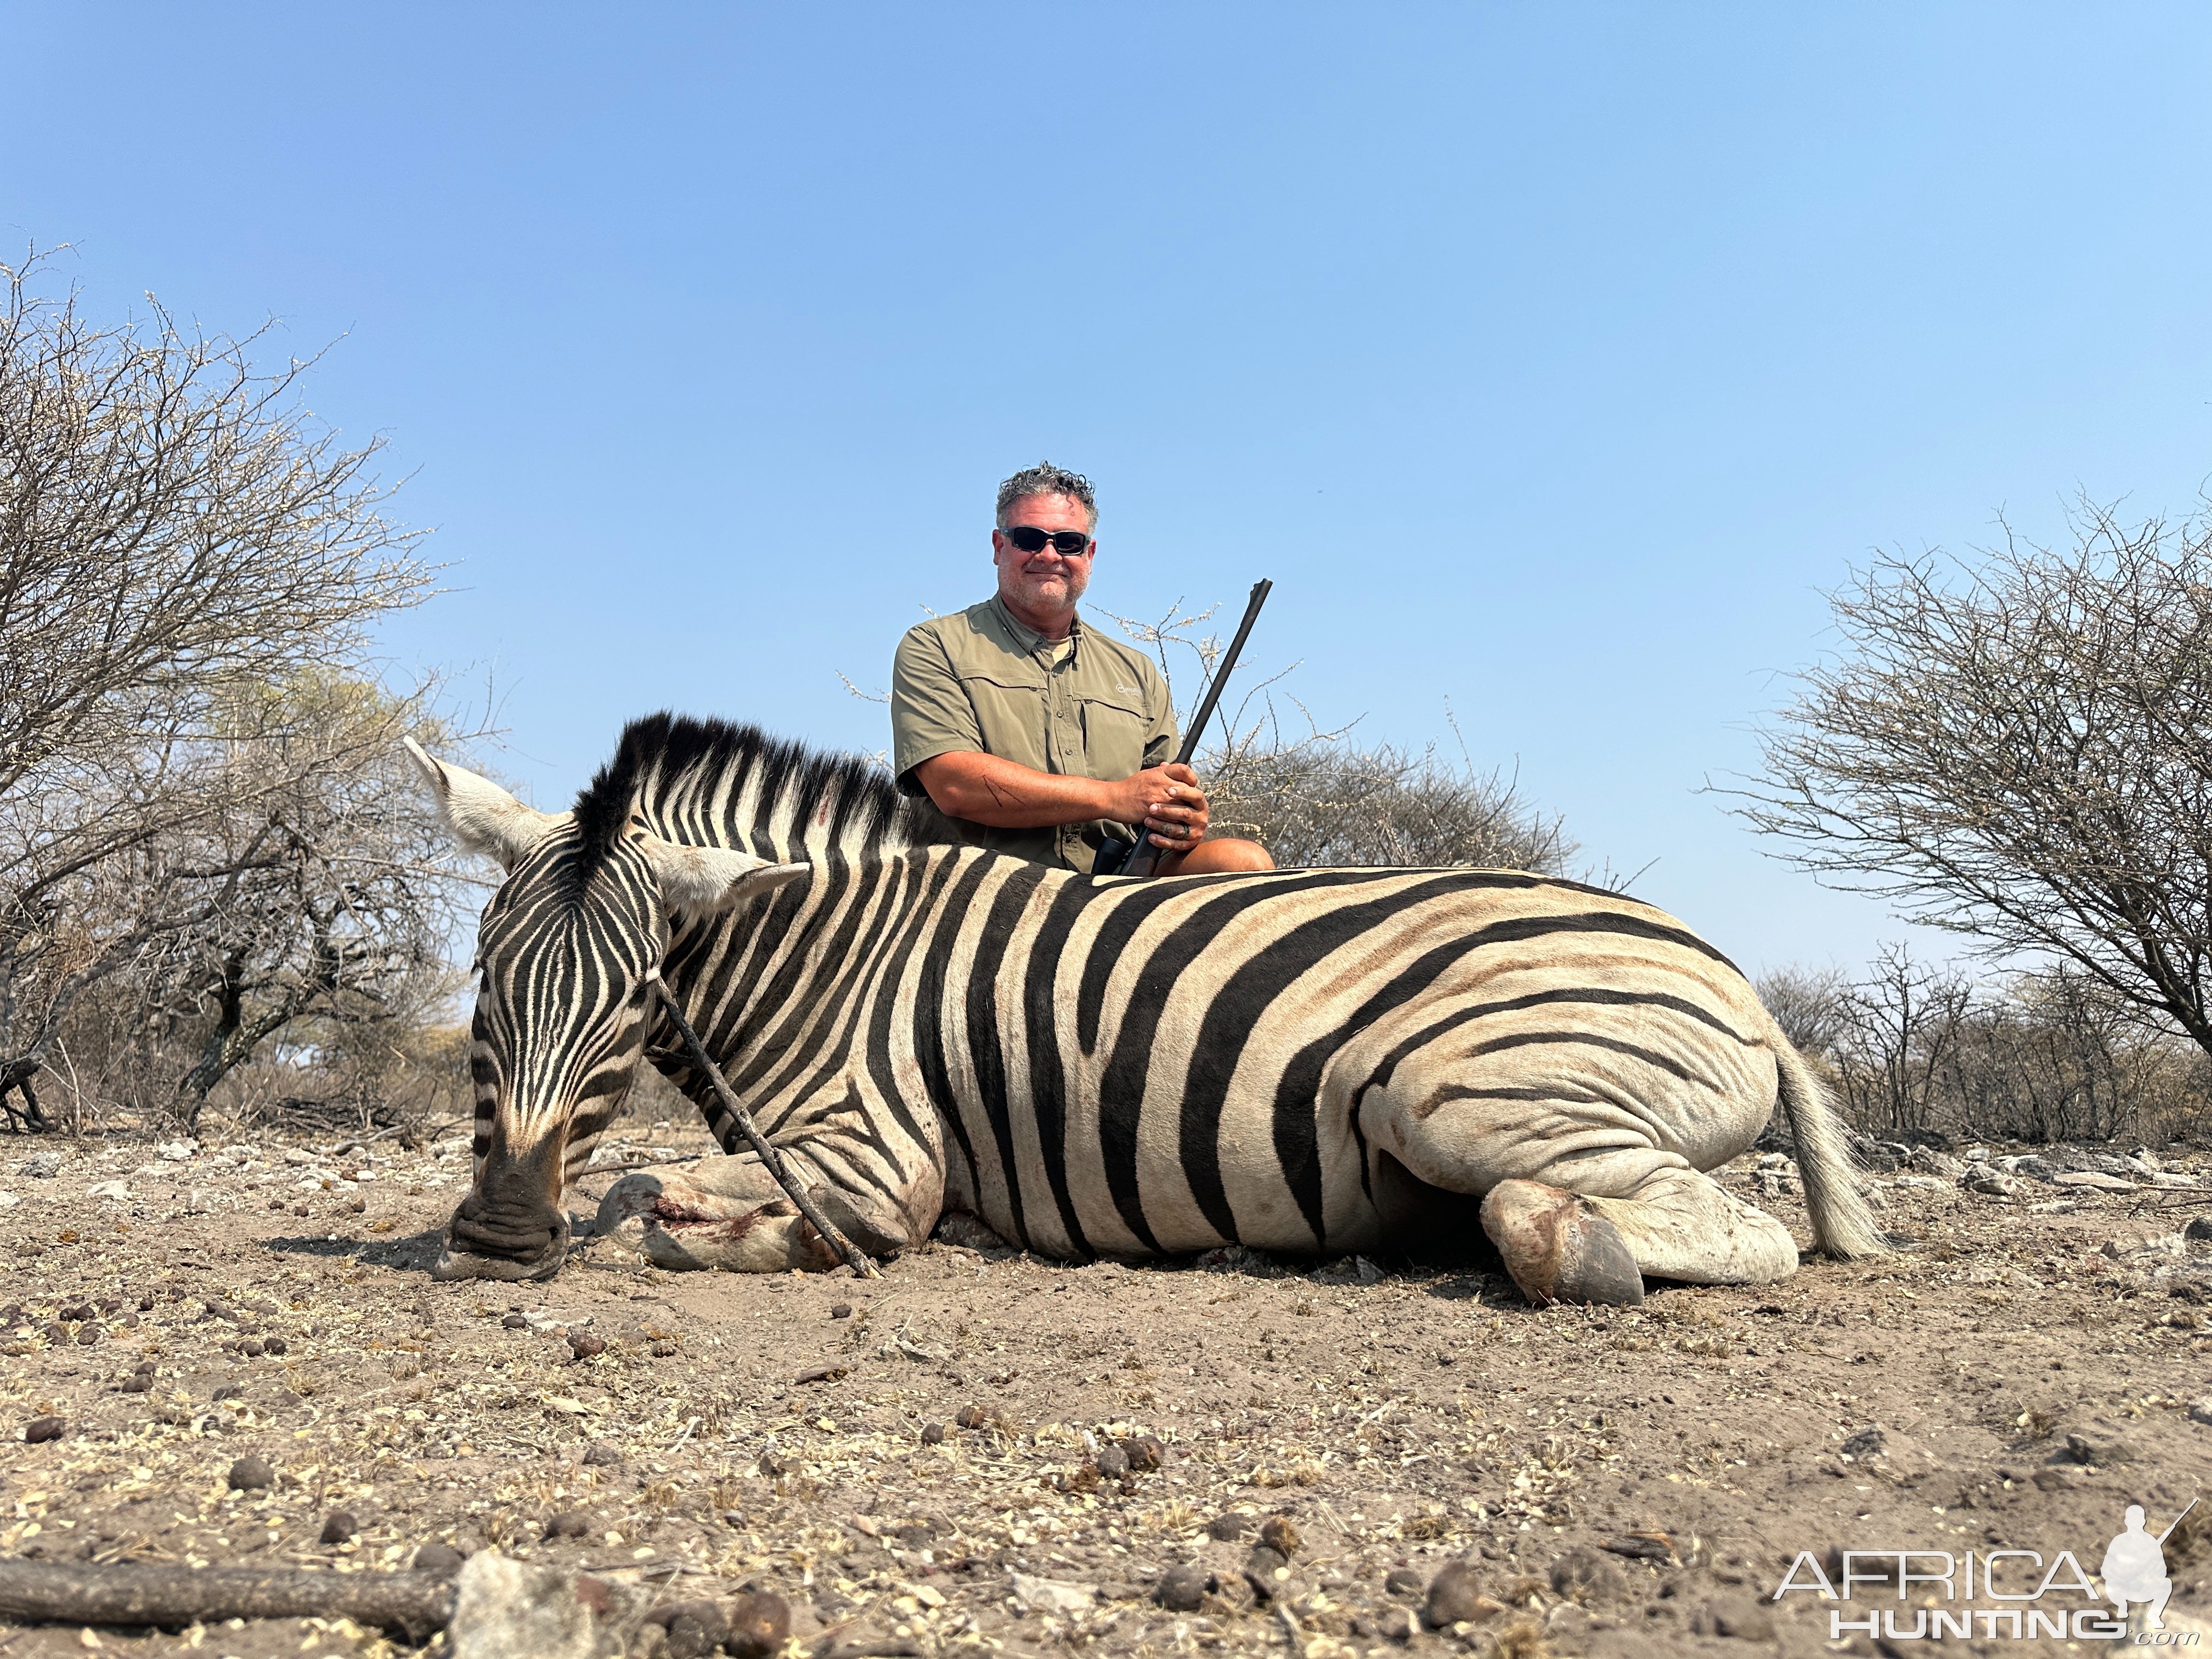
933	1434
514	1321
1865	1443
145	1305
971	1417
439	1560
1738	1616
251	1474
1146	1453
89	1335
664	1348
1279	1535
585	1346
2198	1231
1586	1575
138	1383
569	1523
1052	1594
1404	1580
842	1311
1267	1570
1112	1462
40	1430
275	1345
1183	1588
253	1347
602	1454
2098	1447
2200	1410
1454	1595
76	1312
339	1526
760	1625
1228	1527
695	1629
1395	1624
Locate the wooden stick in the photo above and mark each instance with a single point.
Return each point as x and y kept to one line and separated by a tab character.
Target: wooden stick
131	1593
861	1267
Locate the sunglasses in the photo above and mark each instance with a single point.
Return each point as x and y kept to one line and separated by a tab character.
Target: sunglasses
1065	543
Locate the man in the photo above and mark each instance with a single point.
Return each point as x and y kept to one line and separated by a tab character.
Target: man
2134	1570
1033	734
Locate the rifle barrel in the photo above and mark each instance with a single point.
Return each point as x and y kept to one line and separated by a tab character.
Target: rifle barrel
1146	857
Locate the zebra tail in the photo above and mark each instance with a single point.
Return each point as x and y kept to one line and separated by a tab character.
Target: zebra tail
1843	1225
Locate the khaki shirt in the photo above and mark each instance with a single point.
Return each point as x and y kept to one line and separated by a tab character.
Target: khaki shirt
980	682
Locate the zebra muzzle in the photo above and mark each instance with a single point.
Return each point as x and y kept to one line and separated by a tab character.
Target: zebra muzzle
519	1234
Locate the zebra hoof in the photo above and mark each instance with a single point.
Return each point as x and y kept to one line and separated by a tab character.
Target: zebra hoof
1558	1249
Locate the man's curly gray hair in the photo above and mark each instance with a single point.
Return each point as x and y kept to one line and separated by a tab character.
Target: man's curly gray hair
1046	479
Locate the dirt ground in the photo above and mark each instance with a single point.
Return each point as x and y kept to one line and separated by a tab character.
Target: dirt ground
1619	1482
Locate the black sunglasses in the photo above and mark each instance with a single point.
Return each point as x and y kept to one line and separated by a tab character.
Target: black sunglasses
1030	539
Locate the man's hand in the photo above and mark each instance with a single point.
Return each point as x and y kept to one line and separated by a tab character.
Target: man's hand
1168	802
1165	801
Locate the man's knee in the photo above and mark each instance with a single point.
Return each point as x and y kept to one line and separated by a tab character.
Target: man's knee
1228	856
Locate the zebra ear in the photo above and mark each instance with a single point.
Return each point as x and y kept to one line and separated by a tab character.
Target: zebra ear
705	881
484	817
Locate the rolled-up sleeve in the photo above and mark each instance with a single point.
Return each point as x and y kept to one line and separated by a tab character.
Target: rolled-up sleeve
931	713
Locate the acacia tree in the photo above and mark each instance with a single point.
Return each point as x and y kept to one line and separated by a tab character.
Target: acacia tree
175	531
2021	751
330	900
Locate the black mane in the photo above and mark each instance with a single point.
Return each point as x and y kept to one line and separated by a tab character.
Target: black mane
665	752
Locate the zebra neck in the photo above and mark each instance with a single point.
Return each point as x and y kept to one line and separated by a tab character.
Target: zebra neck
818	811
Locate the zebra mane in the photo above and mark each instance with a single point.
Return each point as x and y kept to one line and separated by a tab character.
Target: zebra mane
709	783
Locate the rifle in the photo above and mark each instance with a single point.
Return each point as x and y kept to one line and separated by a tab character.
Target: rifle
2176	1521
1144	859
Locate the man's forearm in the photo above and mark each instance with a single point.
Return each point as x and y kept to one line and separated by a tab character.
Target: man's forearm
985	789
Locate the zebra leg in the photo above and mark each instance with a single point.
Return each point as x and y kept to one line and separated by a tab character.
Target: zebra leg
1580	1203
1678	1224
729	1212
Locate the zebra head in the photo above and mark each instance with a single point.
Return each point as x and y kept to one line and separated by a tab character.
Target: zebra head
567	954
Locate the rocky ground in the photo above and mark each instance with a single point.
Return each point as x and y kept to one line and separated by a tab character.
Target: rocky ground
233	1354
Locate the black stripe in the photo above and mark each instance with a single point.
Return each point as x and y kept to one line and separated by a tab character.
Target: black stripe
1586	1039
886	1005
986	1052
929	1014
1122	1092
1048	1079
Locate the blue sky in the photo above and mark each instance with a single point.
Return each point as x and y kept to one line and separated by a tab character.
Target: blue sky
1551	360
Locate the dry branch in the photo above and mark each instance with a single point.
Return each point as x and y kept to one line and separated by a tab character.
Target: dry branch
413	1603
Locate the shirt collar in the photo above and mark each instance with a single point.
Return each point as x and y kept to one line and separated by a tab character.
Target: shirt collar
1027	637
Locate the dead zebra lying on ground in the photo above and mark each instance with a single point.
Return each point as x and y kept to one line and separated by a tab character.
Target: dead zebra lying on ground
1314	1061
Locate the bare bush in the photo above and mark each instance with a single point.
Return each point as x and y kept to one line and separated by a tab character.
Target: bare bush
176	535
2021	751
1327	801
1920	1052
1317	798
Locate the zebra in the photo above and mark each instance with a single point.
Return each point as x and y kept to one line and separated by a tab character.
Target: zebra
1433	1063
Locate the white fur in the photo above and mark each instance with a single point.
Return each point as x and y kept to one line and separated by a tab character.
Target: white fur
697	881
704	881
484	817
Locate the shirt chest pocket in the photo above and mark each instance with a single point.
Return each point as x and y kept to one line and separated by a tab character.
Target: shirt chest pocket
1010	718
1113	736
